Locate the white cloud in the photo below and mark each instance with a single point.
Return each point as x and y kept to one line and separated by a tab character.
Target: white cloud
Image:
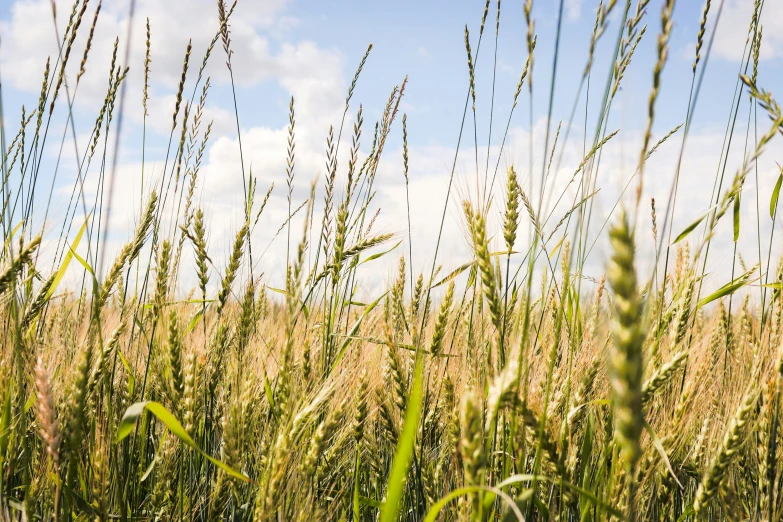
574	9
733	29
302	67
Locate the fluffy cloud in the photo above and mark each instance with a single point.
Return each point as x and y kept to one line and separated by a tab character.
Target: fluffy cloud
733	29
303	68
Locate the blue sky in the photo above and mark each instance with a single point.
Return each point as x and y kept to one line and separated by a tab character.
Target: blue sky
310	49
425	41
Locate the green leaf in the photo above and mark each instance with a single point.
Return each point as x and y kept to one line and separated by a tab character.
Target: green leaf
278	290
354	329
131	379
67	260
728	288
472	275
395	486
659	446
587	446
83	263
370	502
736	218
436	508
132	414
721	292
556	247
5	423
693	225
773	202
13	233
453	274
356	497
379	254
193	322
285	293
270	396
135	411
29	403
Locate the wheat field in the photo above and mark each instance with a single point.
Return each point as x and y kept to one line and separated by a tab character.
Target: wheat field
509	385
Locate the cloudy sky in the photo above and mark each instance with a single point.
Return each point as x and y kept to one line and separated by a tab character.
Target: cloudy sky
309	50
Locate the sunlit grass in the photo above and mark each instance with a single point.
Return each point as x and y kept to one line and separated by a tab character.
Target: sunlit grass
505	389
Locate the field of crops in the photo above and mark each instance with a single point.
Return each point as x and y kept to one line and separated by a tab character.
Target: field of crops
508	385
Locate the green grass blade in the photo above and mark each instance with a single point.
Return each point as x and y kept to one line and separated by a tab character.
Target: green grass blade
728	288
395	486
379	254
773	202
436	508
5	423
370	502
692	226
454	274
135	411
661	451
356	498
67	261
82	262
